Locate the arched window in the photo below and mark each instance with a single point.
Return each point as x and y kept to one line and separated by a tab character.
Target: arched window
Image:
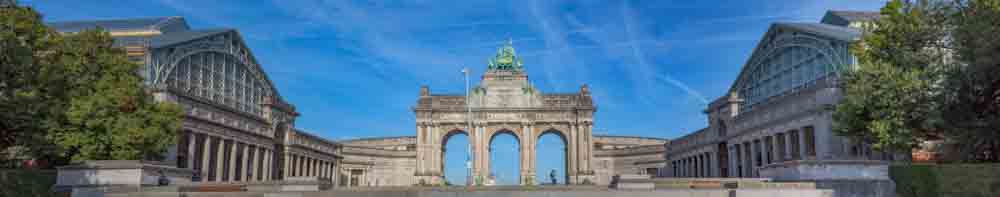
782	70
220	78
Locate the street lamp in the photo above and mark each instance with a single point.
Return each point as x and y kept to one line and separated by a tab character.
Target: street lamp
468	119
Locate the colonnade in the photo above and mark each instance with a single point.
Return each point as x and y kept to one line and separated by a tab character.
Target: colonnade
696	165
301	165
217	158
748	155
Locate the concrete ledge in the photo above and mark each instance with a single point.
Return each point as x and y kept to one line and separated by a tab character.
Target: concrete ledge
827	170
847	178
119	173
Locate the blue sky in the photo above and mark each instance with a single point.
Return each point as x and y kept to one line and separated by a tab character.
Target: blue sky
353	68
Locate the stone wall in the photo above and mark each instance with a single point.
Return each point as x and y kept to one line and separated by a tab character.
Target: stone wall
620	155
384	161
847	178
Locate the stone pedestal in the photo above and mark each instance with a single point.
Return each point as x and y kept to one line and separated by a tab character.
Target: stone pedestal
848	178
304	184
632	181
116	175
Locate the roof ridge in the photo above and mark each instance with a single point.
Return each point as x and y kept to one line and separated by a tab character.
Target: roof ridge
164	21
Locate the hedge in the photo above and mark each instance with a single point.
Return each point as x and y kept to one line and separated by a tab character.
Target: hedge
946	180
27	183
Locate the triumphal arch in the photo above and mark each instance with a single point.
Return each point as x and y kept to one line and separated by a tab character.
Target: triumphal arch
504	102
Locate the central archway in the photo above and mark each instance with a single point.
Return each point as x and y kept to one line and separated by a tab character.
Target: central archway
504	158
551	144
454	165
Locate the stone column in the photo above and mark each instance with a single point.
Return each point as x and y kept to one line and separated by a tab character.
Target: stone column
826	144
288	169
753	157
702	162
803	152
747	159
477	163
206	148
534	148
245	176
765	144
254	163
692	167
221	158
435	150
306	161
266	164
524	155
735	159
192	139
571	148
581	151
684	170
706	162
787	155
420	148
696	165
776	147
702	165
296	165
484	153
688	167
587	146
311	166
232	159
732	160
303	165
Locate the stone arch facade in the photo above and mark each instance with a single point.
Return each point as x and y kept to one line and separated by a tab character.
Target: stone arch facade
504	101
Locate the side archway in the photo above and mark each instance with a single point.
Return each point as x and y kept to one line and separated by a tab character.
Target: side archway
456	140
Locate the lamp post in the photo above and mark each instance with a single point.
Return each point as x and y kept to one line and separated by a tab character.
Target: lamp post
468	119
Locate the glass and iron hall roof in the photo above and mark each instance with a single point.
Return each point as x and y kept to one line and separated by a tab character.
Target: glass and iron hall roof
157	24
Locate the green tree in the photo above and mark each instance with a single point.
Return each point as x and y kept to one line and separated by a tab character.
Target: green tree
889	96
78	93
971	106
25	52
108	113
